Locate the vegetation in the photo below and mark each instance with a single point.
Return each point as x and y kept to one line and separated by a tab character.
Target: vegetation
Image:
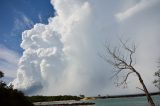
52	98
10	96
82	96
156	82
123	64
126	96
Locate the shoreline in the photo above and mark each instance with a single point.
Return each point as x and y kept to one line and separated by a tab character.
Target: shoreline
127	96
63	103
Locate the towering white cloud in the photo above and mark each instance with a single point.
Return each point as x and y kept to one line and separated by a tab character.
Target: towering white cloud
62	56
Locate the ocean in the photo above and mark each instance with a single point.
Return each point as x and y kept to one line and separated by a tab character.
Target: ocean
132	101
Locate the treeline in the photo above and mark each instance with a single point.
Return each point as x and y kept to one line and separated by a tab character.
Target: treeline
10	96
52	98
126	96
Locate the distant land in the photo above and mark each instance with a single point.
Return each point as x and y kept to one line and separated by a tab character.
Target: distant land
39	98
125	96
66	100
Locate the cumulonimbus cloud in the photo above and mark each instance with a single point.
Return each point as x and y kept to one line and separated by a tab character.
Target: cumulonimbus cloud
62	56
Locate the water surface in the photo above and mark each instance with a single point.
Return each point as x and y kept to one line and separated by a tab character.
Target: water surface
132	101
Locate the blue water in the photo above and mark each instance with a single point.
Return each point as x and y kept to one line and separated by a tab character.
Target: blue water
133	101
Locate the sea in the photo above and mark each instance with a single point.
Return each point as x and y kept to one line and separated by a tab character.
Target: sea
131	101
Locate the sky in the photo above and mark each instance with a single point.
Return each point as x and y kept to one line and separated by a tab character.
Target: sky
17	16
56	51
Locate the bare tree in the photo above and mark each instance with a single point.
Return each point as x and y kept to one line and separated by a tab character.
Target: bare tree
123	63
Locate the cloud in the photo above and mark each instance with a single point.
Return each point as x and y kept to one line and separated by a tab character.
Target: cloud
8	61
21	23
40	18
62	56
140	6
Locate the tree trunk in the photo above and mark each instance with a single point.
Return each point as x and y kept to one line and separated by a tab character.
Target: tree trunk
150	100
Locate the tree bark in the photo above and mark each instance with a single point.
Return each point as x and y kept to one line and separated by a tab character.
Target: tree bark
150	100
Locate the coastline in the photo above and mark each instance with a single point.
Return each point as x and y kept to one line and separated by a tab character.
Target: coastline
126	96
64	103
86	100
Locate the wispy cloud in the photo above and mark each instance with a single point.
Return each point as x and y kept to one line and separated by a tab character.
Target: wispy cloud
21	23
40	18
8	61
143	4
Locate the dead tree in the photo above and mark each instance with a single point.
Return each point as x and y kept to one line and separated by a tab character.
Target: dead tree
123	62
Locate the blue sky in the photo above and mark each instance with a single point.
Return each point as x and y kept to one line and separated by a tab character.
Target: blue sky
19	15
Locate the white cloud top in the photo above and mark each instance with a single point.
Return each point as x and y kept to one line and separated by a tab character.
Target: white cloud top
62	56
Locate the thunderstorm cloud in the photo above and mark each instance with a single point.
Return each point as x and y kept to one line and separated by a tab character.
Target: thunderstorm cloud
62	56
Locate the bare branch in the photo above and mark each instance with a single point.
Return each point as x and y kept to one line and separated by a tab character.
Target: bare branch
140	89
124	81
126	77
123	64
130	50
